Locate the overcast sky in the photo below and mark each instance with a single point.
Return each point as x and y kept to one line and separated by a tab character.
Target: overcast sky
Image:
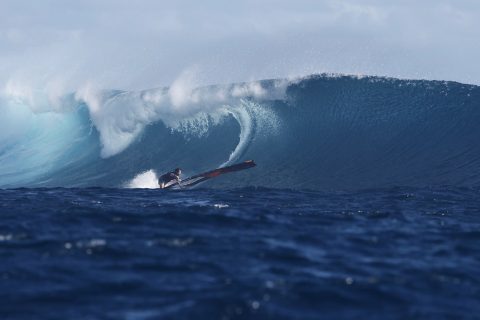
141	44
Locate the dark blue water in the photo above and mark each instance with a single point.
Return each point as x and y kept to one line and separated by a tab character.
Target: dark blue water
82	238
94	253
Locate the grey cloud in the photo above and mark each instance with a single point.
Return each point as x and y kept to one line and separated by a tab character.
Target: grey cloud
141	44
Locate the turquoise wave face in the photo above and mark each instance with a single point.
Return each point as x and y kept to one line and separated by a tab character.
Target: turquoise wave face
319	133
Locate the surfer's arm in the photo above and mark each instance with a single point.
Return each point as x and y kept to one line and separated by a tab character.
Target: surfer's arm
179	181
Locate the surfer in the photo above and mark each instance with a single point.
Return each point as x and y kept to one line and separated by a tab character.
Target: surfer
171	180
169	177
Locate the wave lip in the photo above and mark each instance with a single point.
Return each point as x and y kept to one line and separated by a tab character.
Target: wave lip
121	117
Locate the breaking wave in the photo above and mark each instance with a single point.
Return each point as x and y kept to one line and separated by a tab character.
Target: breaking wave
320	132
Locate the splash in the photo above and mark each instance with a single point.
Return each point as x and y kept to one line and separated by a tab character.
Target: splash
144	180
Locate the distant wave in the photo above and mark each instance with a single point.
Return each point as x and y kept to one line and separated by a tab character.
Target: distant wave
320	132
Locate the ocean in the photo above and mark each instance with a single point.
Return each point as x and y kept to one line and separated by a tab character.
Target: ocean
364	203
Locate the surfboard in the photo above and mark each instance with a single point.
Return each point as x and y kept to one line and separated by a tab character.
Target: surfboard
199	178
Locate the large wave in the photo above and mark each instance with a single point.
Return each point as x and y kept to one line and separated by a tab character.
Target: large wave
321	132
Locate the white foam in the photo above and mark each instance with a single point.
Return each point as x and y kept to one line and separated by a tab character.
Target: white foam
122	117
144	180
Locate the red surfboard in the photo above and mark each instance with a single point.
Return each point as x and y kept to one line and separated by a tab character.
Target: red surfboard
196	179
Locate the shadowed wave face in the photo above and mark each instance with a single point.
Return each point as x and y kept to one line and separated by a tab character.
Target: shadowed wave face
321	133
